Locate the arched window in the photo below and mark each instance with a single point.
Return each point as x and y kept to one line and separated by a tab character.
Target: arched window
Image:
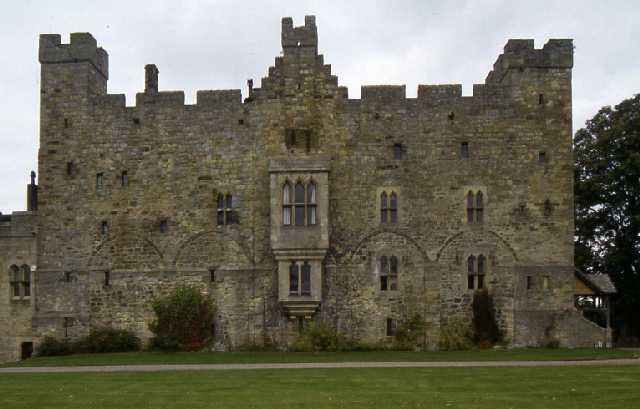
286	204
475	207
384	207
393	273
14	279
393	208
470	207
306	279
293	278
311	204
476	268
479	207
384	273
299	204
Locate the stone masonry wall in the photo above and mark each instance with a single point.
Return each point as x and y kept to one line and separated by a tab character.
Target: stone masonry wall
178	158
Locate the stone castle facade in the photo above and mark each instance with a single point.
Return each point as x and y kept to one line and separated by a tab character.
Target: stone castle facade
298	203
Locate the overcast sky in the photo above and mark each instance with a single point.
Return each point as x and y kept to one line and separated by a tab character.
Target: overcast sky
220	44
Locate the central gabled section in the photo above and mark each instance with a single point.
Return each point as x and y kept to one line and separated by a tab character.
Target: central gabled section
299	231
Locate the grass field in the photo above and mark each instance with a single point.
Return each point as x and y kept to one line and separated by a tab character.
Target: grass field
142	358
540	387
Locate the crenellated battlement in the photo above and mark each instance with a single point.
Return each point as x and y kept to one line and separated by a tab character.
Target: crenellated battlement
519	53
82	47
305	37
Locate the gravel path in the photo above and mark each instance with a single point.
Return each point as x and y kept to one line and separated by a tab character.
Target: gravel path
317	365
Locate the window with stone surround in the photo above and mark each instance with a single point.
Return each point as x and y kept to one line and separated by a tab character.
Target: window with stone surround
388	273
475	207
391	327
225	212
20	282
14	280
299	204
99	182
388	207
476	270
397	151
299	278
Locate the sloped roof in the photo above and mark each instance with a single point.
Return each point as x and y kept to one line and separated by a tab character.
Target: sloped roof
600	283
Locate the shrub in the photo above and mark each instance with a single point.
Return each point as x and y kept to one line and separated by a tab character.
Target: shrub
108	340
51	346
320	337
408	333
455	335
184	320
485	328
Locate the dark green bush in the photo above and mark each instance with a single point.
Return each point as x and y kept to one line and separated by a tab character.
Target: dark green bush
184	320
409	333
456	335
51	346
108	340
485	327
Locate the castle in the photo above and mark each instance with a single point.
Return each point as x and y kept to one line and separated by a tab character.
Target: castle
299	204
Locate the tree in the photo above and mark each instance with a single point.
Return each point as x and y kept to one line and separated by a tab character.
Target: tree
607	198
184	320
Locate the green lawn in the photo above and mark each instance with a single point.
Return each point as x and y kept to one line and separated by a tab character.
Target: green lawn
539	387
287	357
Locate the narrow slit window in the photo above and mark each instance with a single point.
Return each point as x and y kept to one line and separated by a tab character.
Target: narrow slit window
220	213
69	168
540	99
480	271
229	215
311	204
293	278
99	182
471	265
26	281
384	204
104	228
286	204
124	179
397	151
299	204
479	207
384	273
470	207
107	279
393	208
542	157
529	282
14	277
164	226
212	275
306	279
464	150
393	273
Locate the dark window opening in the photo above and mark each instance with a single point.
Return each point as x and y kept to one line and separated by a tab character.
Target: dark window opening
306	279
67	322
26	350
293	278
470	207
529	282
240	121
464	150
299	204
393	273
542	157
397	151
475	207
69	168
66	122
164	226
286	204
476	272
451	116
26	281
124	179
107	279
225	213
212	275
540	99
67	276
384	207
391	327
99	181
104	228
14	278
384	273
393	208
470	282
